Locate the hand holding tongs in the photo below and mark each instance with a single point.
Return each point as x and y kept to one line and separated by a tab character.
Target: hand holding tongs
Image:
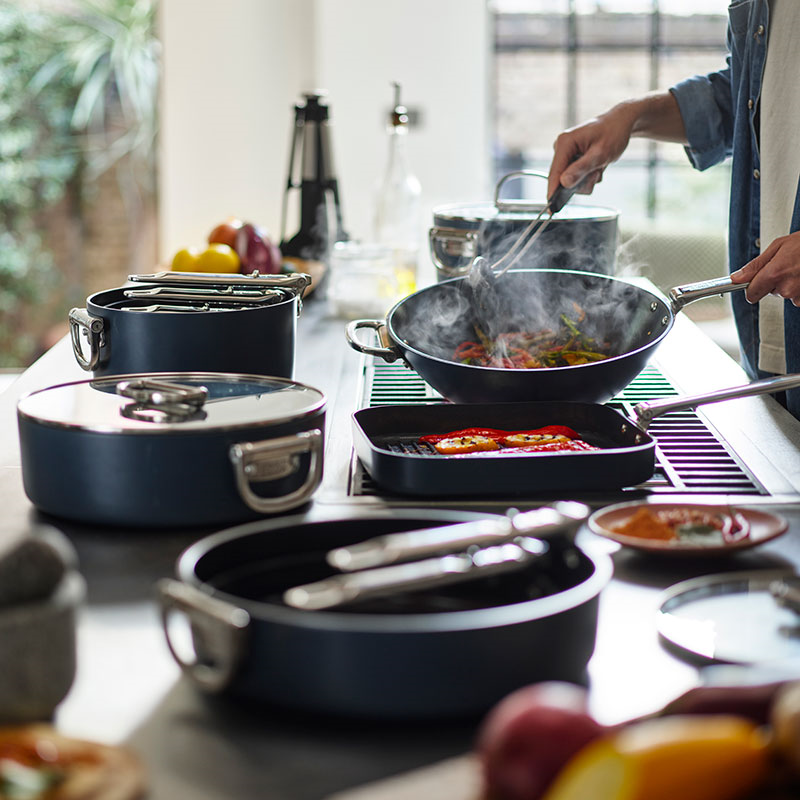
460	552
536	228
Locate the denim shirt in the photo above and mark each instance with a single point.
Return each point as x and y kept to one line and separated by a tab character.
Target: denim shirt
720	114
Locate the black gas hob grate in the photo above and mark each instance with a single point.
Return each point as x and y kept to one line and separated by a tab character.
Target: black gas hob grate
691	459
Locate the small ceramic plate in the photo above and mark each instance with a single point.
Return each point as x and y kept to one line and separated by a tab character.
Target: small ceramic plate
763	526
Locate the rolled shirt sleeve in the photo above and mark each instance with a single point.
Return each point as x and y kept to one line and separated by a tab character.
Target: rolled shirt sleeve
706	107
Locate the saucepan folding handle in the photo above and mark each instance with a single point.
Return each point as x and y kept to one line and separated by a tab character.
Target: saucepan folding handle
644	413
415	575
559	521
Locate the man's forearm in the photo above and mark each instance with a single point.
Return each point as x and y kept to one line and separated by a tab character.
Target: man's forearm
656	116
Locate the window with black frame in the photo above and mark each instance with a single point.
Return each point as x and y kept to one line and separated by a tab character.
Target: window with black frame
559	62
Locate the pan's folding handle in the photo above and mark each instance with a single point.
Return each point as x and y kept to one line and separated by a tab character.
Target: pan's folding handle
559	521
681	296
644	413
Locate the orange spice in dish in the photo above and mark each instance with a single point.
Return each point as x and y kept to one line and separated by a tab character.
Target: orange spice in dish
644	524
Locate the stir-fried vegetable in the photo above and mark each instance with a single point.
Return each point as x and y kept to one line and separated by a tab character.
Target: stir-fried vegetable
566	347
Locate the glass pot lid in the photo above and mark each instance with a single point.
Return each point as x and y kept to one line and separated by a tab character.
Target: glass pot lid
171	402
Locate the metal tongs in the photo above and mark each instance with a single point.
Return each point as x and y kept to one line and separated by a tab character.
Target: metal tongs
560	197
434	557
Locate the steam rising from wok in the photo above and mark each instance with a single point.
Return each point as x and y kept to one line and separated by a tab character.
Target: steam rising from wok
437	319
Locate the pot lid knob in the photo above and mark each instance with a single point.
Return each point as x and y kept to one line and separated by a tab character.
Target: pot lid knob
176	400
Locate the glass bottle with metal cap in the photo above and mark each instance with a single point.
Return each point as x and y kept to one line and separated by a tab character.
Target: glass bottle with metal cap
397	208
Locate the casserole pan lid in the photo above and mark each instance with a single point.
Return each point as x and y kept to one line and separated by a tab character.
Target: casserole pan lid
470	215
171	403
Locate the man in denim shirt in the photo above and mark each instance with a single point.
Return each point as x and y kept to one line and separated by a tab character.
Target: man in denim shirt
716	116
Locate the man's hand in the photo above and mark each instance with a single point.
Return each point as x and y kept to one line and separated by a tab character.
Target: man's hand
776	271
583	152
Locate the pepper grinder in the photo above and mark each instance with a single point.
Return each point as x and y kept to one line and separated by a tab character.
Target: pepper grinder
311	173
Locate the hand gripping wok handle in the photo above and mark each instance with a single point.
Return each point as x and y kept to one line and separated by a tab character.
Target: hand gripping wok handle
647	411
388	354
681	296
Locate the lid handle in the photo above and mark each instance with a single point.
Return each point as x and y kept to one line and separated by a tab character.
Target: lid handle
177	400
517	204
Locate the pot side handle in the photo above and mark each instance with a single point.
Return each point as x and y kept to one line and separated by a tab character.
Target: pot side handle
644	413
218	633
388	354
82	322
273	459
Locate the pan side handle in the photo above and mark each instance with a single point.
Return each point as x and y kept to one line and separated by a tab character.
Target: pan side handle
388	354
81	321
681	296
273	459
218	633
644	413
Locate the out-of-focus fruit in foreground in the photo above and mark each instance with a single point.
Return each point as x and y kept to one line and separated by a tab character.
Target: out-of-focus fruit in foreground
528	737
257	251
679	757
225	232
751	701
785	721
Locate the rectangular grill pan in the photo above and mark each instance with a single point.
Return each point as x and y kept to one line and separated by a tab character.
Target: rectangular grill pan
386	442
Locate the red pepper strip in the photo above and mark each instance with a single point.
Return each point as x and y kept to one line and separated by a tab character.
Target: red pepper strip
493	433
576	445
572	445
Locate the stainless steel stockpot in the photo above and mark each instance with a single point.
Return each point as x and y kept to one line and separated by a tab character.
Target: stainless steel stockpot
579	236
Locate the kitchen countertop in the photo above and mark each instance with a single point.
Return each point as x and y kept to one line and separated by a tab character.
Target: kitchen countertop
128	690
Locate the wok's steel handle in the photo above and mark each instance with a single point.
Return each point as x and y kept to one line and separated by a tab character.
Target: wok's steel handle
272	460
389	354
644	413
82	322
681	296
219	633
561	519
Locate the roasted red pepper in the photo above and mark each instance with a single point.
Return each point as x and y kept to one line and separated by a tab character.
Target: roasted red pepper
493	433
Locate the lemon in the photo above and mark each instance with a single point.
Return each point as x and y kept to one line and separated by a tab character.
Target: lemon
218	257
185	260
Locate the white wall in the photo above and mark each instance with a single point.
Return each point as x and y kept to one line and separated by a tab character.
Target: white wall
233	70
